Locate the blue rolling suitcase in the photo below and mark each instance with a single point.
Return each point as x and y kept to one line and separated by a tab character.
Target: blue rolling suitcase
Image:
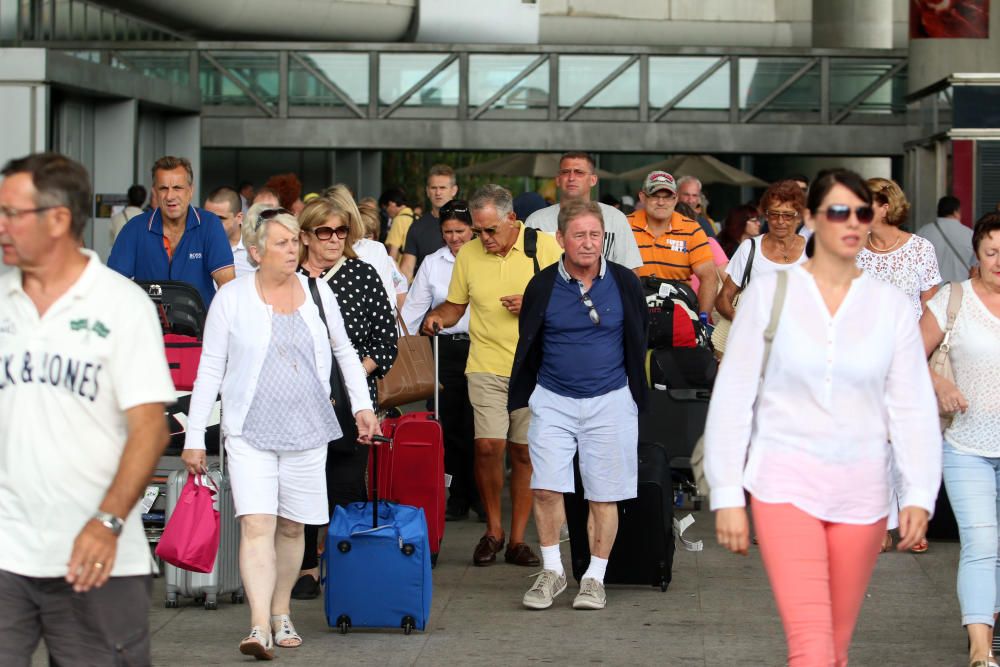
378	566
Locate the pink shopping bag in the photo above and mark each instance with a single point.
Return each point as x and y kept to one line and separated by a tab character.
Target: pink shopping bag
190	539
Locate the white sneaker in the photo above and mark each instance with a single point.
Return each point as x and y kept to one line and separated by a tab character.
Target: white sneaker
591	595
546	587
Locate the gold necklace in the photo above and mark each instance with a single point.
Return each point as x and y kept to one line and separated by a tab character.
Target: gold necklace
871	242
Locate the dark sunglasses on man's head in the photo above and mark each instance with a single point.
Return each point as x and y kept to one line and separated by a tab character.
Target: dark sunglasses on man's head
326	233
842	213
269	214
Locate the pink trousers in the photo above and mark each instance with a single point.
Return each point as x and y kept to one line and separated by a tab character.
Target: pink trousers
819	572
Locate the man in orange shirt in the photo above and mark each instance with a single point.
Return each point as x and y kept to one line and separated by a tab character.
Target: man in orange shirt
672	246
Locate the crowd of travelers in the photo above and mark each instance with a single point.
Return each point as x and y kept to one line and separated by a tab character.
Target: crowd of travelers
541	316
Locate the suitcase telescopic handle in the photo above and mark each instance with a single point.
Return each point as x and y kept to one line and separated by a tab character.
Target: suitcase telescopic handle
437	379
376	441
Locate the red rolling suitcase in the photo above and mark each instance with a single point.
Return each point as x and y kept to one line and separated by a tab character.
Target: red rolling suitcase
411	466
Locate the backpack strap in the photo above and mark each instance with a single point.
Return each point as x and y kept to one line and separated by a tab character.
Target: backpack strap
531	245
953	249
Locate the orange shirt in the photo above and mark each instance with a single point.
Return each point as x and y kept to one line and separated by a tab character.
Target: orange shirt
673	254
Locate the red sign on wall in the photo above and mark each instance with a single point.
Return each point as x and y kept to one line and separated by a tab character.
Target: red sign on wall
942	19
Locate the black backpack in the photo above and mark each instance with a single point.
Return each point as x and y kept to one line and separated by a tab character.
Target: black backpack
531	245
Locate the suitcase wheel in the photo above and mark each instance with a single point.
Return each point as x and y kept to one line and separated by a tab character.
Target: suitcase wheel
343	546
408	549
344	623
171	604
434	560
408	624
238	598
211	605
663	585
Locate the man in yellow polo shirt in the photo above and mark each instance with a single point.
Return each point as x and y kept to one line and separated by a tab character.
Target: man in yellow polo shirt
490	275
672	246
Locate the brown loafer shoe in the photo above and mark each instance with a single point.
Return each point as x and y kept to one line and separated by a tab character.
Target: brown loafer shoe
521	554
487	550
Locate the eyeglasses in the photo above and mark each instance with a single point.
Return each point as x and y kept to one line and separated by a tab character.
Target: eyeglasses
787	216
268	215
9	213
595	317
327	233
842	213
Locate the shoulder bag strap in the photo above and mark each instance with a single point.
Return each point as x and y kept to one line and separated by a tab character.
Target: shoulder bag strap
746	269
780	291
531	245
954	304
953	249
337	393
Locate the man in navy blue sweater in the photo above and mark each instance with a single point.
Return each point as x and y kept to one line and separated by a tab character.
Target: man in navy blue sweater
579	368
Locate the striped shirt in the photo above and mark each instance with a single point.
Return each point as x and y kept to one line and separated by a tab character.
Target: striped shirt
673	254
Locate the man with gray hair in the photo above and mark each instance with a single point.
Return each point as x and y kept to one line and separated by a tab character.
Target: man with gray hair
580	361
81	409
689	192
490	275
175	241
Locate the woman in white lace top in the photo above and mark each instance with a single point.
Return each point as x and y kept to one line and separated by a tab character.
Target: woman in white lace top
972	443
896	256
902	259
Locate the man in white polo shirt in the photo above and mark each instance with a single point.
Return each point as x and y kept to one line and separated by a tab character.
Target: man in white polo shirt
83	383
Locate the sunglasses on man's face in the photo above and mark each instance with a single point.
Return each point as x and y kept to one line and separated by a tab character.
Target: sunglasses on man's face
269	214
842	213
327	233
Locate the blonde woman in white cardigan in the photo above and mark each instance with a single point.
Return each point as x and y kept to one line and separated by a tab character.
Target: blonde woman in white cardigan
269	353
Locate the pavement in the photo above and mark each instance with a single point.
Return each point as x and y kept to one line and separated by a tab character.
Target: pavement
717	611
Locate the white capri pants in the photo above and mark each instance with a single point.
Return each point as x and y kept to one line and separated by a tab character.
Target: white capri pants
289	484
605	431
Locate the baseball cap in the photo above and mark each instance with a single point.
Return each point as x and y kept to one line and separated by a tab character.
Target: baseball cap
659	180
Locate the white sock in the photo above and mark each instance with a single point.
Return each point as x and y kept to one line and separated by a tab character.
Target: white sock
551	560
596	569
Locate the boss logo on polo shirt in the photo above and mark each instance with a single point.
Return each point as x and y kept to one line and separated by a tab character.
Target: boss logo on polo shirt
60	372
678	246
194	255
7	326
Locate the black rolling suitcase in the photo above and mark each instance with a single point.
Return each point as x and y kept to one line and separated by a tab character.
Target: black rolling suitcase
644	548
680	381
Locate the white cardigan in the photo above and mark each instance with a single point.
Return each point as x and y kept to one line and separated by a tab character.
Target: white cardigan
237	335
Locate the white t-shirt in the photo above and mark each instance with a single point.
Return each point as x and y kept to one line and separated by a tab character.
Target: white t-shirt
838	394
761	264
975	358
66	381
619	241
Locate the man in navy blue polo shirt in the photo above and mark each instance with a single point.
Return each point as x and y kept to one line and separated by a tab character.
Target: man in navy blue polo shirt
175	241
580	362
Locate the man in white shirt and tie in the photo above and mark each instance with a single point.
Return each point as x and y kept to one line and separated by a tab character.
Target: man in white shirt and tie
226	203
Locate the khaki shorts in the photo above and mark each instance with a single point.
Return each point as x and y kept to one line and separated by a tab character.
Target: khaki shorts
488	395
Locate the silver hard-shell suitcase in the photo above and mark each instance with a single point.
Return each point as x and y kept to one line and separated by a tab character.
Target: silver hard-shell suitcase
224	579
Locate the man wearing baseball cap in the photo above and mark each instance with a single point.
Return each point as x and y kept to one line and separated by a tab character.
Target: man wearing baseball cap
672	246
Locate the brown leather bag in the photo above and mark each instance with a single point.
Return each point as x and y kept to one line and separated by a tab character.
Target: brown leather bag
411	377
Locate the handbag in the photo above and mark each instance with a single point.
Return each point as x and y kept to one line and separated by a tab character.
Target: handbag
348	442
411	377
190	540
721	333
698	455
940	362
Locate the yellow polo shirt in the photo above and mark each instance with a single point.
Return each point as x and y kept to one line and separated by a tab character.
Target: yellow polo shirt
400	226
480	279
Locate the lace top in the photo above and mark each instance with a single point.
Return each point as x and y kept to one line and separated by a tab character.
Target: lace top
912	268
975	358
291	408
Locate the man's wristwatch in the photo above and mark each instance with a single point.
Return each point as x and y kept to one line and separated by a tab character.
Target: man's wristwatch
109	521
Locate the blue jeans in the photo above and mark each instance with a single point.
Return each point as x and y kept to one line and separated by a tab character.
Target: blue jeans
973	483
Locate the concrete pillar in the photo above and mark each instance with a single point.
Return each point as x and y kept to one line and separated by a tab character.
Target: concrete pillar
24	98
182	137
858	24
115	134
